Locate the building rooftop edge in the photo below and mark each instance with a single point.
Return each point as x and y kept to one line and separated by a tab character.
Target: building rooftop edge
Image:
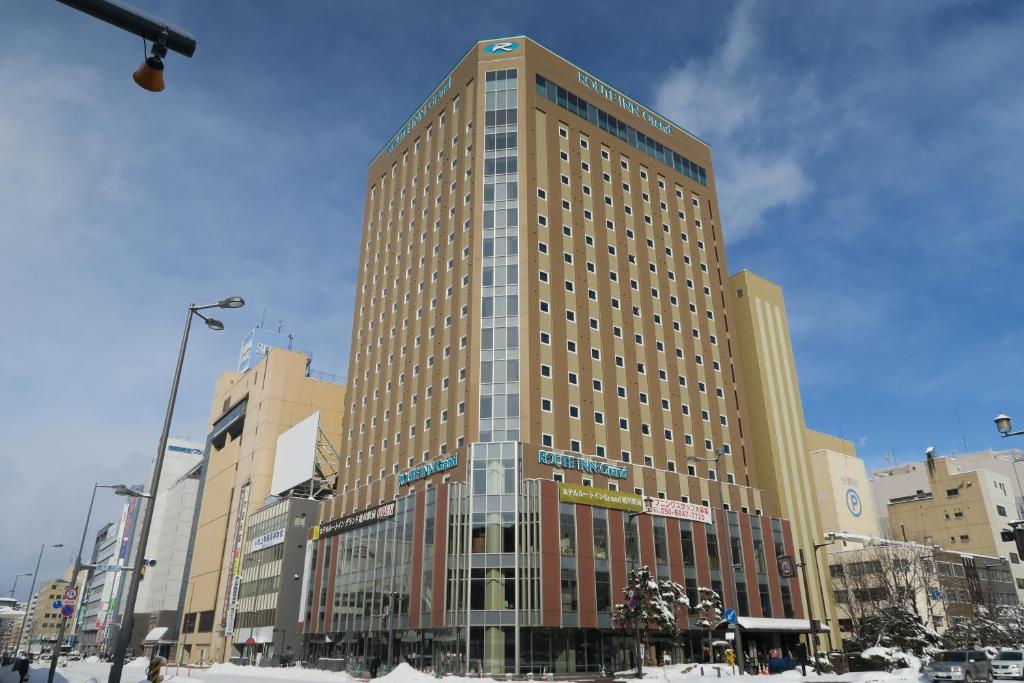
525	37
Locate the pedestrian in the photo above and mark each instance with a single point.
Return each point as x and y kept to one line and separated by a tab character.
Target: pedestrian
374	665
21	666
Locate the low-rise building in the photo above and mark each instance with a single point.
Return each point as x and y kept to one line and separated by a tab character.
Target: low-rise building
870	574
962	510
44	618
12	613
270	581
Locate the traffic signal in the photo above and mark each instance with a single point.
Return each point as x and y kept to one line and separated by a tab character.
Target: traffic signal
146	562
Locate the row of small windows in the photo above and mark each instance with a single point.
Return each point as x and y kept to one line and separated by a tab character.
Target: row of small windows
631	136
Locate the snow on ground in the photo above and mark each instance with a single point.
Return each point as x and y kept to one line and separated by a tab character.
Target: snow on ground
86	672
691	673
89	672
281	674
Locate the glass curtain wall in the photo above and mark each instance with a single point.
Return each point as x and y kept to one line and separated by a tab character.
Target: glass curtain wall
493	559
499	305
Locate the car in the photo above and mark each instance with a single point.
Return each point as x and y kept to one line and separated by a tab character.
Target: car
74	656
968	666
1008	664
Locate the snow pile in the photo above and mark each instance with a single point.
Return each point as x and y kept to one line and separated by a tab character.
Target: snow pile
892	658
280	673
675	672
404	673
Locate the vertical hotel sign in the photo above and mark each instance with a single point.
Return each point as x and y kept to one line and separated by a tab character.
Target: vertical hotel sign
231	592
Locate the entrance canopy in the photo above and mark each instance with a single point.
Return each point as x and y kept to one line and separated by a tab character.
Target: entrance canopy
762	624
155	636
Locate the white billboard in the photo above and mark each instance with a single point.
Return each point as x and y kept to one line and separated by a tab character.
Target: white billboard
680	510
296	452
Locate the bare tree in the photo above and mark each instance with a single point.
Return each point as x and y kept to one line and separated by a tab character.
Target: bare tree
871	580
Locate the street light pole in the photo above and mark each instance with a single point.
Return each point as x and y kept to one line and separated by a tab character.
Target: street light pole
810	618
15	586
391	629
635	534
32	588
821	588
125	632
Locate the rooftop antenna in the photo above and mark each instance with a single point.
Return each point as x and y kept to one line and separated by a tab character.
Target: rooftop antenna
262	319
280	326
963	437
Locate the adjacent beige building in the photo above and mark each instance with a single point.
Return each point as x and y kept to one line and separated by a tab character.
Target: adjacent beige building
250	410
844	498
963	510
775	420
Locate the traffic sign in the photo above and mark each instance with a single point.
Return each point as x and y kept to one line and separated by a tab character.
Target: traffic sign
67	610
57	604
730	615
631	604
109	567
70	594
631	593
936	594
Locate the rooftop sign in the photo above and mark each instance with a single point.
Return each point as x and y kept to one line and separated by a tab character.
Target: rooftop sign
418	115
613	95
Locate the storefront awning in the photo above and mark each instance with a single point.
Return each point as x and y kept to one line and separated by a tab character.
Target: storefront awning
155	635
777	625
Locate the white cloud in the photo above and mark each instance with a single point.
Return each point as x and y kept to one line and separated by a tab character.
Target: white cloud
754	185
723	99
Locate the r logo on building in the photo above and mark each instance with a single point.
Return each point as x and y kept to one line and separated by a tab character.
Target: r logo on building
498	48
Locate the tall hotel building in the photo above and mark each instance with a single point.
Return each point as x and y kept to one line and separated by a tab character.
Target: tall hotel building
542	342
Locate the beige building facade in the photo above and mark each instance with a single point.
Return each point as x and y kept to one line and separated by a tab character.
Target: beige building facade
249	412
963	510
542	303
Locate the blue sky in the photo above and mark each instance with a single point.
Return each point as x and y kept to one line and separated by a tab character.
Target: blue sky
867	155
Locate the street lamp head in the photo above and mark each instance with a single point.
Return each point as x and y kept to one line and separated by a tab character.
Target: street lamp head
231	302
56	545
214	324
122	490
1003	423
150	76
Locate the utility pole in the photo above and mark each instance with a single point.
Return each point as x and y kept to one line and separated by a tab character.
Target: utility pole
812	638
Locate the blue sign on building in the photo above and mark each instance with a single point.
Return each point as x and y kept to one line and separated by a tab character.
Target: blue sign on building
502	47
257	344
853	503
